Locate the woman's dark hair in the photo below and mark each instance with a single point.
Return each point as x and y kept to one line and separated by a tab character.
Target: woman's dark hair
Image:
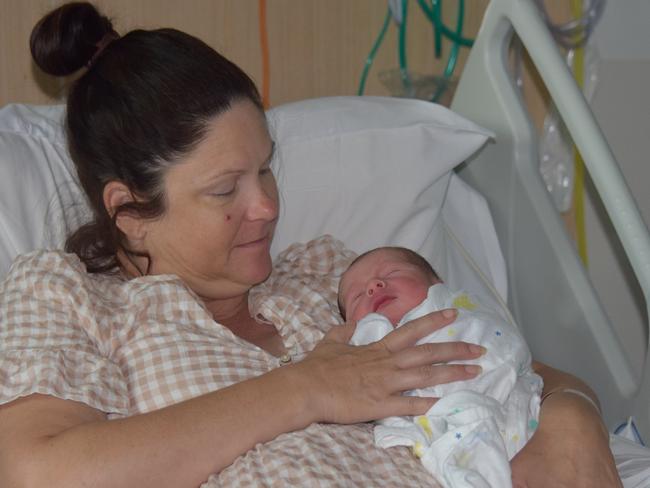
144	102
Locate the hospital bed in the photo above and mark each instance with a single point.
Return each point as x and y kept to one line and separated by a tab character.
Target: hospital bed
463	190
550	293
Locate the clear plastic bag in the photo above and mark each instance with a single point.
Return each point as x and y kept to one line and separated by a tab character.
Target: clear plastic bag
423	87
556	154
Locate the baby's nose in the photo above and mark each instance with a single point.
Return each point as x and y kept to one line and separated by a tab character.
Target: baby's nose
374	285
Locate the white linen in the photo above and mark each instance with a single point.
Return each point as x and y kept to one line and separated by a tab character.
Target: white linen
40	198
467	438
376	171
632	461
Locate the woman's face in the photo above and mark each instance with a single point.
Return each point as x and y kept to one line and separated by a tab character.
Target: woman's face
221	209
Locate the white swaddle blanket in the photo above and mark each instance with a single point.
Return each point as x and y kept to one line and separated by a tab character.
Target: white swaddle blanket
467	438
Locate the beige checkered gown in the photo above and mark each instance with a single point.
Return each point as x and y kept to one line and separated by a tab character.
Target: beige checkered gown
127	347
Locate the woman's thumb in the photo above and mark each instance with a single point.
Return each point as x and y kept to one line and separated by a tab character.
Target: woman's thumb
341	333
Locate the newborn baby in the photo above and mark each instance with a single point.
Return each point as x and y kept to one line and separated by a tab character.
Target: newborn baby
469	435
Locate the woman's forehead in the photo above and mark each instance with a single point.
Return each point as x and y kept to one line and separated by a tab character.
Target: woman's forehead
233	141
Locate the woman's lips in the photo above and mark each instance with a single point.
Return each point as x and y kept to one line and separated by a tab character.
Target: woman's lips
381	301
258	242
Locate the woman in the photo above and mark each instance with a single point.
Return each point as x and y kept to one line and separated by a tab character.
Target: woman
134	360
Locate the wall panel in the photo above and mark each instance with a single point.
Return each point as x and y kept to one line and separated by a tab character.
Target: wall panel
317	48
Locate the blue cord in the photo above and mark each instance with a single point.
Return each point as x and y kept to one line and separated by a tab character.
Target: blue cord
437	32
403	65
371	57
455	48
434	14
635	431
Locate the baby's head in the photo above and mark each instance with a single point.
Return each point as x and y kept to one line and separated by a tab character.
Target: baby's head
387	280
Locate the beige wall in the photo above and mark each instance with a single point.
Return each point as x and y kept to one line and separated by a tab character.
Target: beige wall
317	47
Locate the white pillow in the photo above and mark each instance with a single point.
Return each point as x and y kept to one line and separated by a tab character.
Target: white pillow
370	171
40	199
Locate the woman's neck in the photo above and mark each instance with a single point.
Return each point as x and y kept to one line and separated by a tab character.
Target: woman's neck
236	317
230	310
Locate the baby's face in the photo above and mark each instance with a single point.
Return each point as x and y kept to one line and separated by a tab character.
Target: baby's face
383	281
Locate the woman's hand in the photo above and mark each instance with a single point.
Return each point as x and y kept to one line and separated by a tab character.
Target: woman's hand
347	384
569	450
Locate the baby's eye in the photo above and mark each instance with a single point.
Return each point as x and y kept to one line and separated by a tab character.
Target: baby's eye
355	297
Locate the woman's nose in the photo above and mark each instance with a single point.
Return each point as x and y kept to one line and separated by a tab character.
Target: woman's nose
264	205
373	285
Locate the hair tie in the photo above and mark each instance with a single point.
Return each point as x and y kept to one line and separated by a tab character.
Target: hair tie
101	45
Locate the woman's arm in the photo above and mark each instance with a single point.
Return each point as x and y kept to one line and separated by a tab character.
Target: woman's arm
45	441
571	446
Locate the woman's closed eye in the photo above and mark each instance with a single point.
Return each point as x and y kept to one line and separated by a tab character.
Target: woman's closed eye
225	190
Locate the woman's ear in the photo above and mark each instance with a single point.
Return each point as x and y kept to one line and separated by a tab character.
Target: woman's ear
115	195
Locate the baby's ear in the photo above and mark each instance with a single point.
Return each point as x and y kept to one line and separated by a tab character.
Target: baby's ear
116	194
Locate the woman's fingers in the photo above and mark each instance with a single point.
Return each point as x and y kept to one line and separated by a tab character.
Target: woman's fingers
406	335
411	332
360	383
340	334
432	375
406	405
437	352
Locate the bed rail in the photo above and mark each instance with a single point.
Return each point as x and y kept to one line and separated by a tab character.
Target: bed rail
550	293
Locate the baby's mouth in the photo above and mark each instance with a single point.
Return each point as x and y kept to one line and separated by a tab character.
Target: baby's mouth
381	301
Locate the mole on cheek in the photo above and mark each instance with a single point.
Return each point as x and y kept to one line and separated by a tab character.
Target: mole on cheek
228	218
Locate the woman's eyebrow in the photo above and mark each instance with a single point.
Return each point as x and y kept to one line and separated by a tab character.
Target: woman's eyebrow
215	177
212	178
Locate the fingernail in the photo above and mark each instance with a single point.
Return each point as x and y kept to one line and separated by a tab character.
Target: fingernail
473	369
477	349
449	313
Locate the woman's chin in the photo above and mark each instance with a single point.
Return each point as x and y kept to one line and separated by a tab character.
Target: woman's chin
259	273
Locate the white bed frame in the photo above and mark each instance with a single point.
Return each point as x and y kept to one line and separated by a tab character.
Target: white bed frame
550	293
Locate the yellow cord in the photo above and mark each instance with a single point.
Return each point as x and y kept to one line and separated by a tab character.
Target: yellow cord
579	165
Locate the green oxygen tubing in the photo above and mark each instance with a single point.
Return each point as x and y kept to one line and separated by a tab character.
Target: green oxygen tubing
433	12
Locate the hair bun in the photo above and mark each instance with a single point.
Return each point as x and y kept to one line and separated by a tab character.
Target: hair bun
66	39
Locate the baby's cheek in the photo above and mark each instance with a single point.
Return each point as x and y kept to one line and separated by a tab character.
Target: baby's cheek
357	313
353	316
